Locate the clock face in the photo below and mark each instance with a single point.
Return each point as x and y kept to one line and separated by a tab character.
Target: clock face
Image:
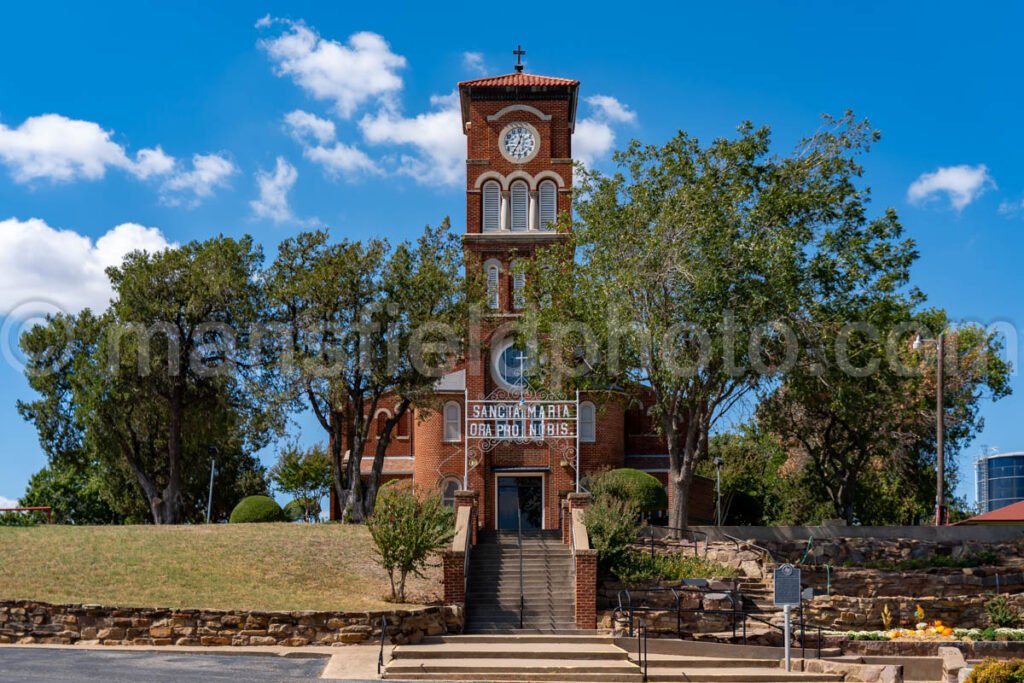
519	142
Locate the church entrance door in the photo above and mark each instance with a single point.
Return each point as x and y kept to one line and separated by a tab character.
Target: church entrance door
520	498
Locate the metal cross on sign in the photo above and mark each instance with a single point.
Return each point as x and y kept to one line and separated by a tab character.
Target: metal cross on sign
787	585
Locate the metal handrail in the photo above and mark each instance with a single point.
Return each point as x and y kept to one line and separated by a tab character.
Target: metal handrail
641	650
740	541
739	616
694	533
380	655
522	595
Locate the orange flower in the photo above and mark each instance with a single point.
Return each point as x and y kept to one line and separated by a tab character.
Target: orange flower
938	623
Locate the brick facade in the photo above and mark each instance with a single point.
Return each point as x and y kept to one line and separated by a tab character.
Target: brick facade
624	435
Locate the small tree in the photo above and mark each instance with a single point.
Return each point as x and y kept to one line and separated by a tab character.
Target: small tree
638	488
407	527
305	474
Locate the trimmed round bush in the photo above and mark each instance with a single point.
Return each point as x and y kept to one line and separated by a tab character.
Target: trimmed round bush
257	509
639	489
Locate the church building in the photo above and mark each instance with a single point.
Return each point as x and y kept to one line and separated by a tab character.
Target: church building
522	451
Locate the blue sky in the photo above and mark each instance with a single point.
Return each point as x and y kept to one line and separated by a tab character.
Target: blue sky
138	124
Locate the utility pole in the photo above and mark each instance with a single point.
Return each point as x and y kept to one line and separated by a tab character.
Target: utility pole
718	462
213	467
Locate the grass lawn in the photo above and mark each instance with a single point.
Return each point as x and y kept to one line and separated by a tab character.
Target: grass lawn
222	566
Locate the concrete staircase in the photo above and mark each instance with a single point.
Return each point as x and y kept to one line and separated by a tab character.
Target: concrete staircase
566	658
492	596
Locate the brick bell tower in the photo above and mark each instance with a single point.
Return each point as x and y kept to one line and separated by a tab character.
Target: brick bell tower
518	131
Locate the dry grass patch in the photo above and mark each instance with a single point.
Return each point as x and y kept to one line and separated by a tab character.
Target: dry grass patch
246	566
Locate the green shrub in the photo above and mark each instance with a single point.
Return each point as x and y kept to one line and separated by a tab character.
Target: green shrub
637	568
1001	614
257	509
302	509
612	528
639	489
998	671
408	526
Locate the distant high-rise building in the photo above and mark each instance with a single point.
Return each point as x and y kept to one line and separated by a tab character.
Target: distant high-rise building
1000	480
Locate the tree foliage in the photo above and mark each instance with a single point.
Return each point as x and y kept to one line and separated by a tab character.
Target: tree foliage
304	473
162	383
408	527
641	490
362	323
691	257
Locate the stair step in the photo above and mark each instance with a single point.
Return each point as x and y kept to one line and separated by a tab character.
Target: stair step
550	651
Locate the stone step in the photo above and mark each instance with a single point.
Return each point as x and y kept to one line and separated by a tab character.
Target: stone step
738	675
487	668
660	661
510	638
548	650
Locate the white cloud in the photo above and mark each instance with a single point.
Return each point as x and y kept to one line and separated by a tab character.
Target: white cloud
1012	207
364	70
961	184
474	62
57	148
608	108
39	263
6	502
304	125
209	171
341	159
274	189
436	136
595	134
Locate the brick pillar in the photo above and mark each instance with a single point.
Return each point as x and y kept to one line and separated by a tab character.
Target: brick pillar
454	564
469	499
586	589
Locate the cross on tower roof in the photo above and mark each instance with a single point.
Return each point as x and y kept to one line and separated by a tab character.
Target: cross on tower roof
519	52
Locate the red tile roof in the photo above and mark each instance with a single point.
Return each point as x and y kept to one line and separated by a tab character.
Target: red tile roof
517	79
1010	514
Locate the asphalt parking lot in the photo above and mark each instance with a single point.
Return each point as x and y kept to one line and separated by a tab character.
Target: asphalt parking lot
38	665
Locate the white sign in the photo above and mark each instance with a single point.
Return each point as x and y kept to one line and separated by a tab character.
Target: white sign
521	420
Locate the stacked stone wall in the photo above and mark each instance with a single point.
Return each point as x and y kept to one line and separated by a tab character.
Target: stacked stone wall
24	622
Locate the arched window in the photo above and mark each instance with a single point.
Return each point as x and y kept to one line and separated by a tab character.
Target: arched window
520	197
452	422
449	485
588	422
402	428
491	206
518	287
493	286
382	417
548	204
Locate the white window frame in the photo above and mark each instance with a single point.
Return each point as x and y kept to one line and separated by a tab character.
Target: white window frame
518	288
585	435
449	421
491	191
492	270
444	484
548	204
519	203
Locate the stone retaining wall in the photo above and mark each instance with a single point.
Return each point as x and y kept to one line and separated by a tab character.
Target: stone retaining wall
24	622
844	613
868	583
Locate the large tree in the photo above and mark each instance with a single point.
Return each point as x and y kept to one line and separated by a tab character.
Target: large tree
361	323
164	381
689	257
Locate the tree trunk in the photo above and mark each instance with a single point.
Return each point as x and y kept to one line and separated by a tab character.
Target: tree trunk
373	484
353	507
172	504
336	447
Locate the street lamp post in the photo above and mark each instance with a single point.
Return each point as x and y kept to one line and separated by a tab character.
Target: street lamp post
718	462
940	428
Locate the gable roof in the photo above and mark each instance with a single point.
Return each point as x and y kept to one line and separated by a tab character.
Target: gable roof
518	79
1010	514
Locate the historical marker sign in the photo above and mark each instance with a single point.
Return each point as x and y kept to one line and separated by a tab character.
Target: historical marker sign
787	585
